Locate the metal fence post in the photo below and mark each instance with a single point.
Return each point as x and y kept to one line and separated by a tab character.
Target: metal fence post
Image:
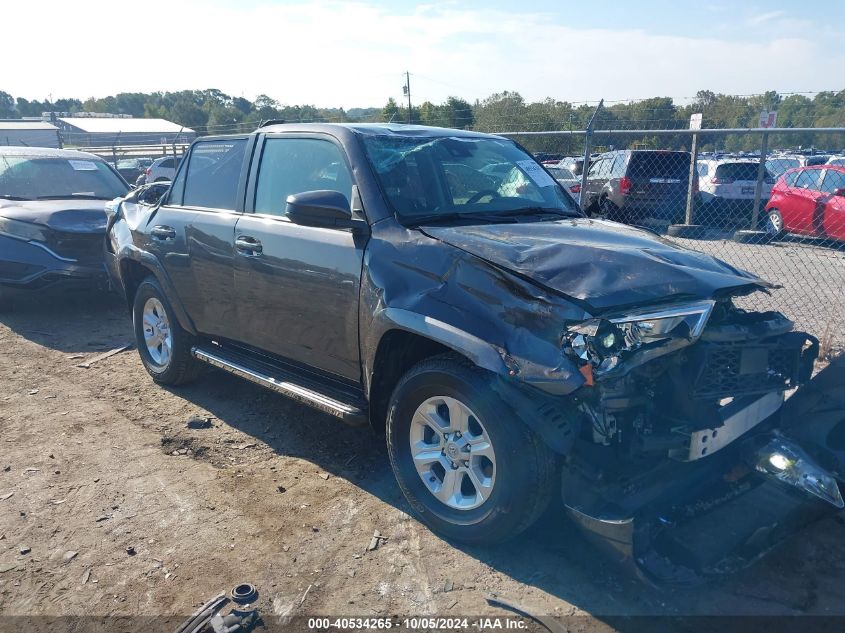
588	137
690	185
761	175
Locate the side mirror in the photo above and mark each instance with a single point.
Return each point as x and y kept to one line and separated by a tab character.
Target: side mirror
839	192
320	208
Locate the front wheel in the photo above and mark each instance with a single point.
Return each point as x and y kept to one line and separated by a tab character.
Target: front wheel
468	465
164	347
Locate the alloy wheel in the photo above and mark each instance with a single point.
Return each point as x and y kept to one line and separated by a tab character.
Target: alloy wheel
452	453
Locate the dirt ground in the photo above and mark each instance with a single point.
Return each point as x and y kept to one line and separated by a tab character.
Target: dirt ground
100	460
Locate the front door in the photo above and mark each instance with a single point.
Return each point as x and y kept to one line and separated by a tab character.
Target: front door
800	211
296	286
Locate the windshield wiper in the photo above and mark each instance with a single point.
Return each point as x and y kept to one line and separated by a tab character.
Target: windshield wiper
8	196
67	196
541	211
459	215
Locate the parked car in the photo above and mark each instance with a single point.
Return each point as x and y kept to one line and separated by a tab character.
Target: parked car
727	190
632	185
131	168
777	164
575	164
52	218
161	169
809	201
513	352
567	180
836	160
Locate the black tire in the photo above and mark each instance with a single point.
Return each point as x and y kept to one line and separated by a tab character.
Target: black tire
774	225
181	366
610	211
525	479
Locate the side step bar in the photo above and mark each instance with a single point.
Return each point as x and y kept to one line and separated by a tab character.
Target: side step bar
283	384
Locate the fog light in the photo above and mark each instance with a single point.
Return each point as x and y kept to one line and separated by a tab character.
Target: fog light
779	462
789	463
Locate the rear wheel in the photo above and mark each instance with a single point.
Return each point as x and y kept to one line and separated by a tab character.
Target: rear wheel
774	224
468	465
164	347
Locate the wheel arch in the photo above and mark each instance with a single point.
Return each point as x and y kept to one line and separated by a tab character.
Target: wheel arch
134	270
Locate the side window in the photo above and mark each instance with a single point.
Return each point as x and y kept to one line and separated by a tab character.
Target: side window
807	179
177	189
296	165
703	169
618	169
597	168
214	168
167	163
790	178
833	180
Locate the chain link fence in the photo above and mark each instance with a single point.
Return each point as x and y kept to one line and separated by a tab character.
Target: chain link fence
774	207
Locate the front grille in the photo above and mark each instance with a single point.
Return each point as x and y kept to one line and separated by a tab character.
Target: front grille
722	370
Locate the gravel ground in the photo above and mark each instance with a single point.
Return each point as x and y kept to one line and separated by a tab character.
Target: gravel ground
101	460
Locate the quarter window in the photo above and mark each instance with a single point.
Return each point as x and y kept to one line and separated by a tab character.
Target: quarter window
214	169
790	178
296	165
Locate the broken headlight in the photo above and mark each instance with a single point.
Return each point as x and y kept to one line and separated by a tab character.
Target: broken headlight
603	342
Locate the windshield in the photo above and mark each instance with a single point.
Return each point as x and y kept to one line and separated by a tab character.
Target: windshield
427	178
37	178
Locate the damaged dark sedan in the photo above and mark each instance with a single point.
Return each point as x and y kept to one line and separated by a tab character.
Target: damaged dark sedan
441	286
52	219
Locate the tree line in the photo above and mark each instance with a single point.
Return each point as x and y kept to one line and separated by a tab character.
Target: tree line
212	111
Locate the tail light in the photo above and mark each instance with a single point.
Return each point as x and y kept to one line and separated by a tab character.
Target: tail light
625	185
576	188
722	181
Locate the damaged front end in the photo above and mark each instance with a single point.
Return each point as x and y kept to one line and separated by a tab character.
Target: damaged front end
681	467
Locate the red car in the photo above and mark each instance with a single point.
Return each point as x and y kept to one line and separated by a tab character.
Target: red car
809	201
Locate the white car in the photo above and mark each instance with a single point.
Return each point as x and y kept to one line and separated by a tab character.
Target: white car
567	180
777	164
162	169
836	160
727	188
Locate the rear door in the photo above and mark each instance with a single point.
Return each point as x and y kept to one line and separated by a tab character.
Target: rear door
597	176
297	286
192	233
833	219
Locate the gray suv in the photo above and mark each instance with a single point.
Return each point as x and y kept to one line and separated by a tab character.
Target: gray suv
634	185
441	287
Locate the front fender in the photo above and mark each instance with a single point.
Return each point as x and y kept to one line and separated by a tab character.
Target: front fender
130	254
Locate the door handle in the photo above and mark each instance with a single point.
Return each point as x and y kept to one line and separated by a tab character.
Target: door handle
163	233
248	246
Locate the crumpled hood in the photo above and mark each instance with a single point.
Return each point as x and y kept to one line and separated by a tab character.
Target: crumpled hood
68	216
603	264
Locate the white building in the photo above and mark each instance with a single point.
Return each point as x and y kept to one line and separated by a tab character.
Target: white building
29	133
94	131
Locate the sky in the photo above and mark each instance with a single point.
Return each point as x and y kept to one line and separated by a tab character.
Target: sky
355	54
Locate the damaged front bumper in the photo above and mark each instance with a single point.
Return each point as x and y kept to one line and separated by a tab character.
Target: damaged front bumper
687	521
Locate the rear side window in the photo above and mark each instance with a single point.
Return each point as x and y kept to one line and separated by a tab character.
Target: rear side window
703	169
167	163
297	165
663	165
737	171
833	180
808	179
618	168
836	161
214	169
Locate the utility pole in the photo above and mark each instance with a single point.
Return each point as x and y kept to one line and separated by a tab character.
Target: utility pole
407	90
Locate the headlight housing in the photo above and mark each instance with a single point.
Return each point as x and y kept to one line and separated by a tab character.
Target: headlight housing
21	230
605	342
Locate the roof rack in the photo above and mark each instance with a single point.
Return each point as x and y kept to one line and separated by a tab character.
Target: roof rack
271	122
